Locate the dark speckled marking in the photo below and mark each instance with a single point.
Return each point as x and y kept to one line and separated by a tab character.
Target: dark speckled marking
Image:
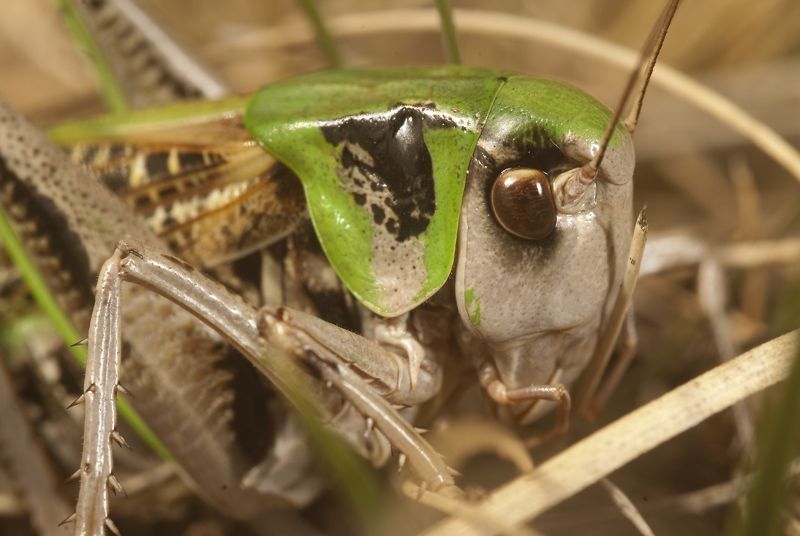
400	165
378	214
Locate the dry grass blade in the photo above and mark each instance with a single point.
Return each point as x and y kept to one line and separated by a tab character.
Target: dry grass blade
459	508
594	371
466	437
704	499
610	448
760	253
627	508
681	249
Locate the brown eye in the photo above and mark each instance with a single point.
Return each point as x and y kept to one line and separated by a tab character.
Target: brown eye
523	203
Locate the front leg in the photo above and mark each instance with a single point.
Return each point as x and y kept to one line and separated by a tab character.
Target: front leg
398	356
406	380
236	321
552	392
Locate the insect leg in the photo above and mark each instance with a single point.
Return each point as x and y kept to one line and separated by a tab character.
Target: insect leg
99	396
238	322
628	346
387	372
404	437
397	355
555	392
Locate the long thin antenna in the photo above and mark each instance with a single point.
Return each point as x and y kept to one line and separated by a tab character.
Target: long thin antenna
645	65
632	120
449	32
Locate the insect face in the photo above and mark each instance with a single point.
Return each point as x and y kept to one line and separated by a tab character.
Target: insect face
534	287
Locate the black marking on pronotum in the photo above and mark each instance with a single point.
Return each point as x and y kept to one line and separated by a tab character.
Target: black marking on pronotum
386	164
378	214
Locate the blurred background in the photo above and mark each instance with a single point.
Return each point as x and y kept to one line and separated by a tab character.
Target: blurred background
700	180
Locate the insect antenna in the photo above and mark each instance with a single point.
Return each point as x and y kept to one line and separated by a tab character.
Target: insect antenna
641	74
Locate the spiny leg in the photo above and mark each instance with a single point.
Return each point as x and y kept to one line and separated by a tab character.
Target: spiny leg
397	355
235	320
68	214
100	385
402	435
389	374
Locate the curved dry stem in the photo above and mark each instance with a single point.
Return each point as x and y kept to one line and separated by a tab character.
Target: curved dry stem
586	389
753	254
491	24
640	431
458	507
466	437
627	508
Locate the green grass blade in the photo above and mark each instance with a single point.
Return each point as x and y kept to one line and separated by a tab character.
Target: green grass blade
47	303
110	88
452	53
324	38
347	470
779	443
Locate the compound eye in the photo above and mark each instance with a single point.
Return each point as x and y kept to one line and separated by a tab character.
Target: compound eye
522	202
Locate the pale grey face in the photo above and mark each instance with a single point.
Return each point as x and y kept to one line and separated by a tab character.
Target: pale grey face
538	304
